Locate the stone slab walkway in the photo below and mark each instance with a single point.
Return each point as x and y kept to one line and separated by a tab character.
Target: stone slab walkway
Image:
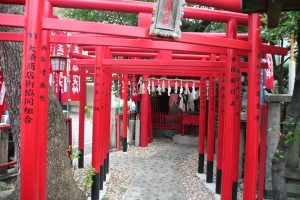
157	177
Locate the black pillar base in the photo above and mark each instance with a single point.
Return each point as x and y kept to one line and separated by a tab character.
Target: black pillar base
210	170
107	163
201	164
219	181
124	144
234	190
101	177
81	159
104	170
95	186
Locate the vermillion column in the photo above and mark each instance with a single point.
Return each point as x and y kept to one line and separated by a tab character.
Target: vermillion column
211	128
98	124
237	131
144	109
220	130
82	104
30	116
202	123
125	111
44	87
230	106
253	109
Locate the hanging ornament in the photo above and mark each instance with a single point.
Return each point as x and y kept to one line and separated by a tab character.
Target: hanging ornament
194	91
187	90
149	87
153	87
163	86
176	87
159	88
143	88
169	89
181	89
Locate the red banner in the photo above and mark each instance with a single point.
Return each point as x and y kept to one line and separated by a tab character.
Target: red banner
269	75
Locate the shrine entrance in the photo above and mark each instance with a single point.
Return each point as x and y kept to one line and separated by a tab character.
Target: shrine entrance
205	56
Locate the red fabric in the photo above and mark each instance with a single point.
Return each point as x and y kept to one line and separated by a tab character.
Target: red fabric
269	75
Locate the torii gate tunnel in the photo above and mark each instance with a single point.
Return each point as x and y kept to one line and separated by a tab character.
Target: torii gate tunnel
201	55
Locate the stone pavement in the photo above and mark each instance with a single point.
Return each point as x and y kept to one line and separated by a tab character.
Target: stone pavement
157	177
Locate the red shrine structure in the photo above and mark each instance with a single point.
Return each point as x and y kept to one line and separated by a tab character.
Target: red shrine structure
206	56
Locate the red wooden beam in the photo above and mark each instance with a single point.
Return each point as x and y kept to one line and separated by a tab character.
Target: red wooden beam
233	5
12	20
146	43
5	165
11	36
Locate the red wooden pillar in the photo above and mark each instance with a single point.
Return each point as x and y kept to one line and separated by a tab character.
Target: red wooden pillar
150	131
237	131
230	106
211	128
44	87
98	124
109	79
202	124
125	113
262	151
144	109
253	109
220	129
82	103
30	99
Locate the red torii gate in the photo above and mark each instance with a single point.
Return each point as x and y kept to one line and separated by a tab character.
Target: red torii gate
188	42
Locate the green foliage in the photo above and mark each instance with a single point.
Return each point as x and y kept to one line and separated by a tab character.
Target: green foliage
105	198
74	155
289	137
277	156
88	177
288	26
123	190
4	187
100	16
88	113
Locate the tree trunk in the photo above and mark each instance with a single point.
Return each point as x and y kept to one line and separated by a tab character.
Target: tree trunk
278	167
60	182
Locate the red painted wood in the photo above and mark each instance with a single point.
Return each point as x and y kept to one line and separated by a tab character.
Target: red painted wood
30	116
44	93
189	120
145	100
253	110
234	5
262	151
202	118
228	141
82	104
5	165
211	118
125	106
12	20
98	125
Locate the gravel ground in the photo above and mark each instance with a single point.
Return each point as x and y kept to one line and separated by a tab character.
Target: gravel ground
121	176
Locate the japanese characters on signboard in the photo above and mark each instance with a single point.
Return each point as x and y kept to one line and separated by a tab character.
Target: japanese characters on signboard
166	20
269	76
